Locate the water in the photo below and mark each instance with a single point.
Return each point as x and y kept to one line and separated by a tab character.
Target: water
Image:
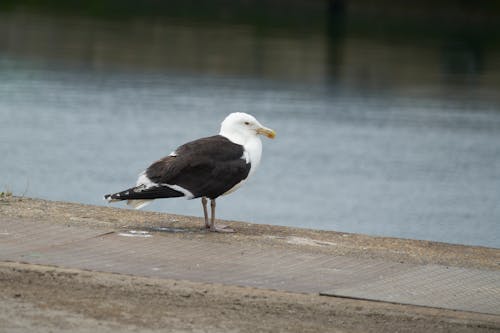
374	136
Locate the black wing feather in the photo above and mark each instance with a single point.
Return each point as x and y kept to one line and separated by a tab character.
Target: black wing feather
206	167
140	192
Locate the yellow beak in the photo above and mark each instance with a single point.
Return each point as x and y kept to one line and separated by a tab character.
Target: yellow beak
267	132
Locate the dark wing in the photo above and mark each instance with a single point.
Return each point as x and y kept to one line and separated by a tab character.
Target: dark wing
205	167
142	192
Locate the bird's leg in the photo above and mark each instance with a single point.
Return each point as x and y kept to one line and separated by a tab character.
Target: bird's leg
212	217
205	212
222	228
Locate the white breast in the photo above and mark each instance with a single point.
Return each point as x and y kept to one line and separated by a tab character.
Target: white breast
251	154
253	148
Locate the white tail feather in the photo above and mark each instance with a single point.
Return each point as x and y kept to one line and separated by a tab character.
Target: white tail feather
138	204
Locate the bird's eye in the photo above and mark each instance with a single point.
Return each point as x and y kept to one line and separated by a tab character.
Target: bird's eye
247	123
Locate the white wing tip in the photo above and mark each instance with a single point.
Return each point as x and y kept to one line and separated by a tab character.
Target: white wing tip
108	199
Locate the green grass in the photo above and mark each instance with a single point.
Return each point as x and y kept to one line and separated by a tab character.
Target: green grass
6	193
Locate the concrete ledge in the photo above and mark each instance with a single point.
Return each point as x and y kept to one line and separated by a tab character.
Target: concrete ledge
315	241
95	242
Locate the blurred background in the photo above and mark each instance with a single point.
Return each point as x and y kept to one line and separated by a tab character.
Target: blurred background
387	112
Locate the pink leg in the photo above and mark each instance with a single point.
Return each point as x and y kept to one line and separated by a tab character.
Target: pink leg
205	212
213	228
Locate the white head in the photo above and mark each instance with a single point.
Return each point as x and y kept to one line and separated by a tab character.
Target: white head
239	127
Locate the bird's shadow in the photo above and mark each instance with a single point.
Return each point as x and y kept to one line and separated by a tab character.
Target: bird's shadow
147	231
171	230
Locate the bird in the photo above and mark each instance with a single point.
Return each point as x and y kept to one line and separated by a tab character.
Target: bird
205	168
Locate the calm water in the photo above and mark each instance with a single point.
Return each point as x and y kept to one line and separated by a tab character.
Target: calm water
376	135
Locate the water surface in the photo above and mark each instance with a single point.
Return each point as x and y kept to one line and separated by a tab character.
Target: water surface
376	135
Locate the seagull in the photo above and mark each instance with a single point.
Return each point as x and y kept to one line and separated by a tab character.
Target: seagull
205	168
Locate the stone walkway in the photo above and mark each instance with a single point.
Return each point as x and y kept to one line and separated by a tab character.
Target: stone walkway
161	253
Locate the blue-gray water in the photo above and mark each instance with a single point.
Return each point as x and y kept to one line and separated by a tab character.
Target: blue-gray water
396	139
